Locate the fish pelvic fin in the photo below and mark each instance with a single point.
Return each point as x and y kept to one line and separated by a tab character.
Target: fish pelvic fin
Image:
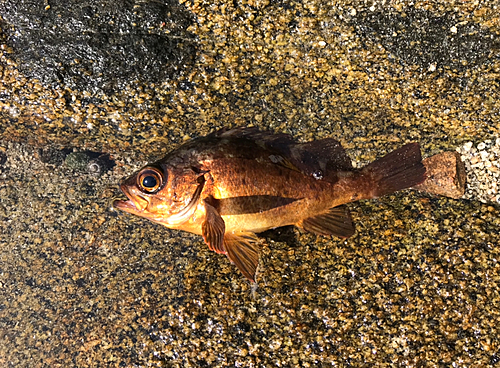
213	229
397	170
242	249
336	221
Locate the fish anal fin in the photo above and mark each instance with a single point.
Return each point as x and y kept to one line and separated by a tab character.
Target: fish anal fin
242	249
336	221
213	229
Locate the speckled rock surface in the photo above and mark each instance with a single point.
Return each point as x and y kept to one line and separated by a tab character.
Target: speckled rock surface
418	285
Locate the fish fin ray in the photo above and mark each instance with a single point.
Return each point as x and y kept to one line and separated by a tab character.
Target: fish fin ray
242	249
213	229
397	170
336	221
325	155
253	133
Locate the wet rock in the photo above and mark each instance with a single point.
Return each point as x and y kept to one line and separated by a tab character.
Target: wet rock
3	157
52	156
94	45
93	163
482	164
419	37
416	286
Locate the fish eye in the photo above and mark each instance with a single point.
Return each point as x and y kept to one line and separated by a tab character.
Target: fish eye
150	180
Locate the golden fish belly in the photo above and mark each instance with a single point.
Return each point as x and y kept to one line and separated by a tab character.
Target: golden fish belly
259	222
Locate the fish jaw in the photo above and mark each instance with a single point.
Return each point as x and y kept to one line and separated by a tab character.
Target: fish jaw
126	206
134	205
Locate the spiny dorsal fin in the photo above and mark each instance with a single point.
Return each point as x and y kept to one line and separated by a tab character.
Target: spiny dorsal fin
322	158
325	156
213	229
242	249
336	221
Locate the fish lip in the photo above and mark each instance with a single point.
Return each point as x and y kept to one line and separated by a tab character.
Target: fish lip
130	205
127	206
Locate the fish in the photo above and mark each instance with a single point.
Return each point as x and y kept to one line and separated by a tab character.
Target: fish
232	184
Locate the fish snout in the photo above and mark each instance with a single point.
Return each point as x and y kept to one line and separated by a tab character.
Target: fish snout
135	203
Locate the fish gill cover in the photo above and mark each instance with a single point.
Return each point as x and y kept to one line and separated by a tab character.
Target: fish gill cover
98	45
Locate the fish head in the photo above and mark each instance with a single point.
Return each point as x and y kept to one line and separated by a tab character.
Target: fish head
162	194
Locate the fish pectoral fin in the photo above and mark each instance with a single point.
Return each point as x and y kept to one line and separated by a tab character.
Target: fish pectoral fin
242	249
336	221
213	229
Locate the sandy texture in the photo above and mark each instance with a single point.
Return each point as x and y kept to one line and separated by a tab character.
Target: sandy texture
418	285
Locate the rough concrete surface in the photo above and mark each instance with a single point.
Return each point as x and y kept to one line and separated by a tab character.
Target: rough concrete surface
82	285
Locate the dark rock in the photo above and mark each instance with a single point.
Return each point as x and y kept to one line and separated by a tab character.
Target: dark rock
3	158
94	45
93	163
419	37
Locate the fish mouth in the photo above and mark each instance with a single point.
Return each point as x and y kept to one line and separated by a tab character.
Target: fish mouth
134	204
126	206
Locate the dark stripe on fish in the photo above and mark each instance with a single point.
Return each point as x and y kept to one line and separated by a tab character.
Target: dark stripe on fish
251	204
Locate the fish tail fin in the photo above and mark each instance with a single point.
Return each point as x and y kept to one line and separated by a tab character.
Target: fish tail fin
397	170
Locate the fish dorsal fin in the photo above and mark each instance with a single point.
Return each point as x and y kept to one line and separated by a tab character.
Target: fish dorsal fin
322	159
213	229
336	221
326	154
242	249
268	139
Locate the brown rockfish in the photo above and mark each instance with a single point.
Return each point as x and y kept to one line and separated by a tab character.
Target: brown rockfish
234	183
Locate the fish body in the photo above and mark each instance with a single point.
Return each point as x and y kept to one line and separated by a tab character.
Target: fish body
235	183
